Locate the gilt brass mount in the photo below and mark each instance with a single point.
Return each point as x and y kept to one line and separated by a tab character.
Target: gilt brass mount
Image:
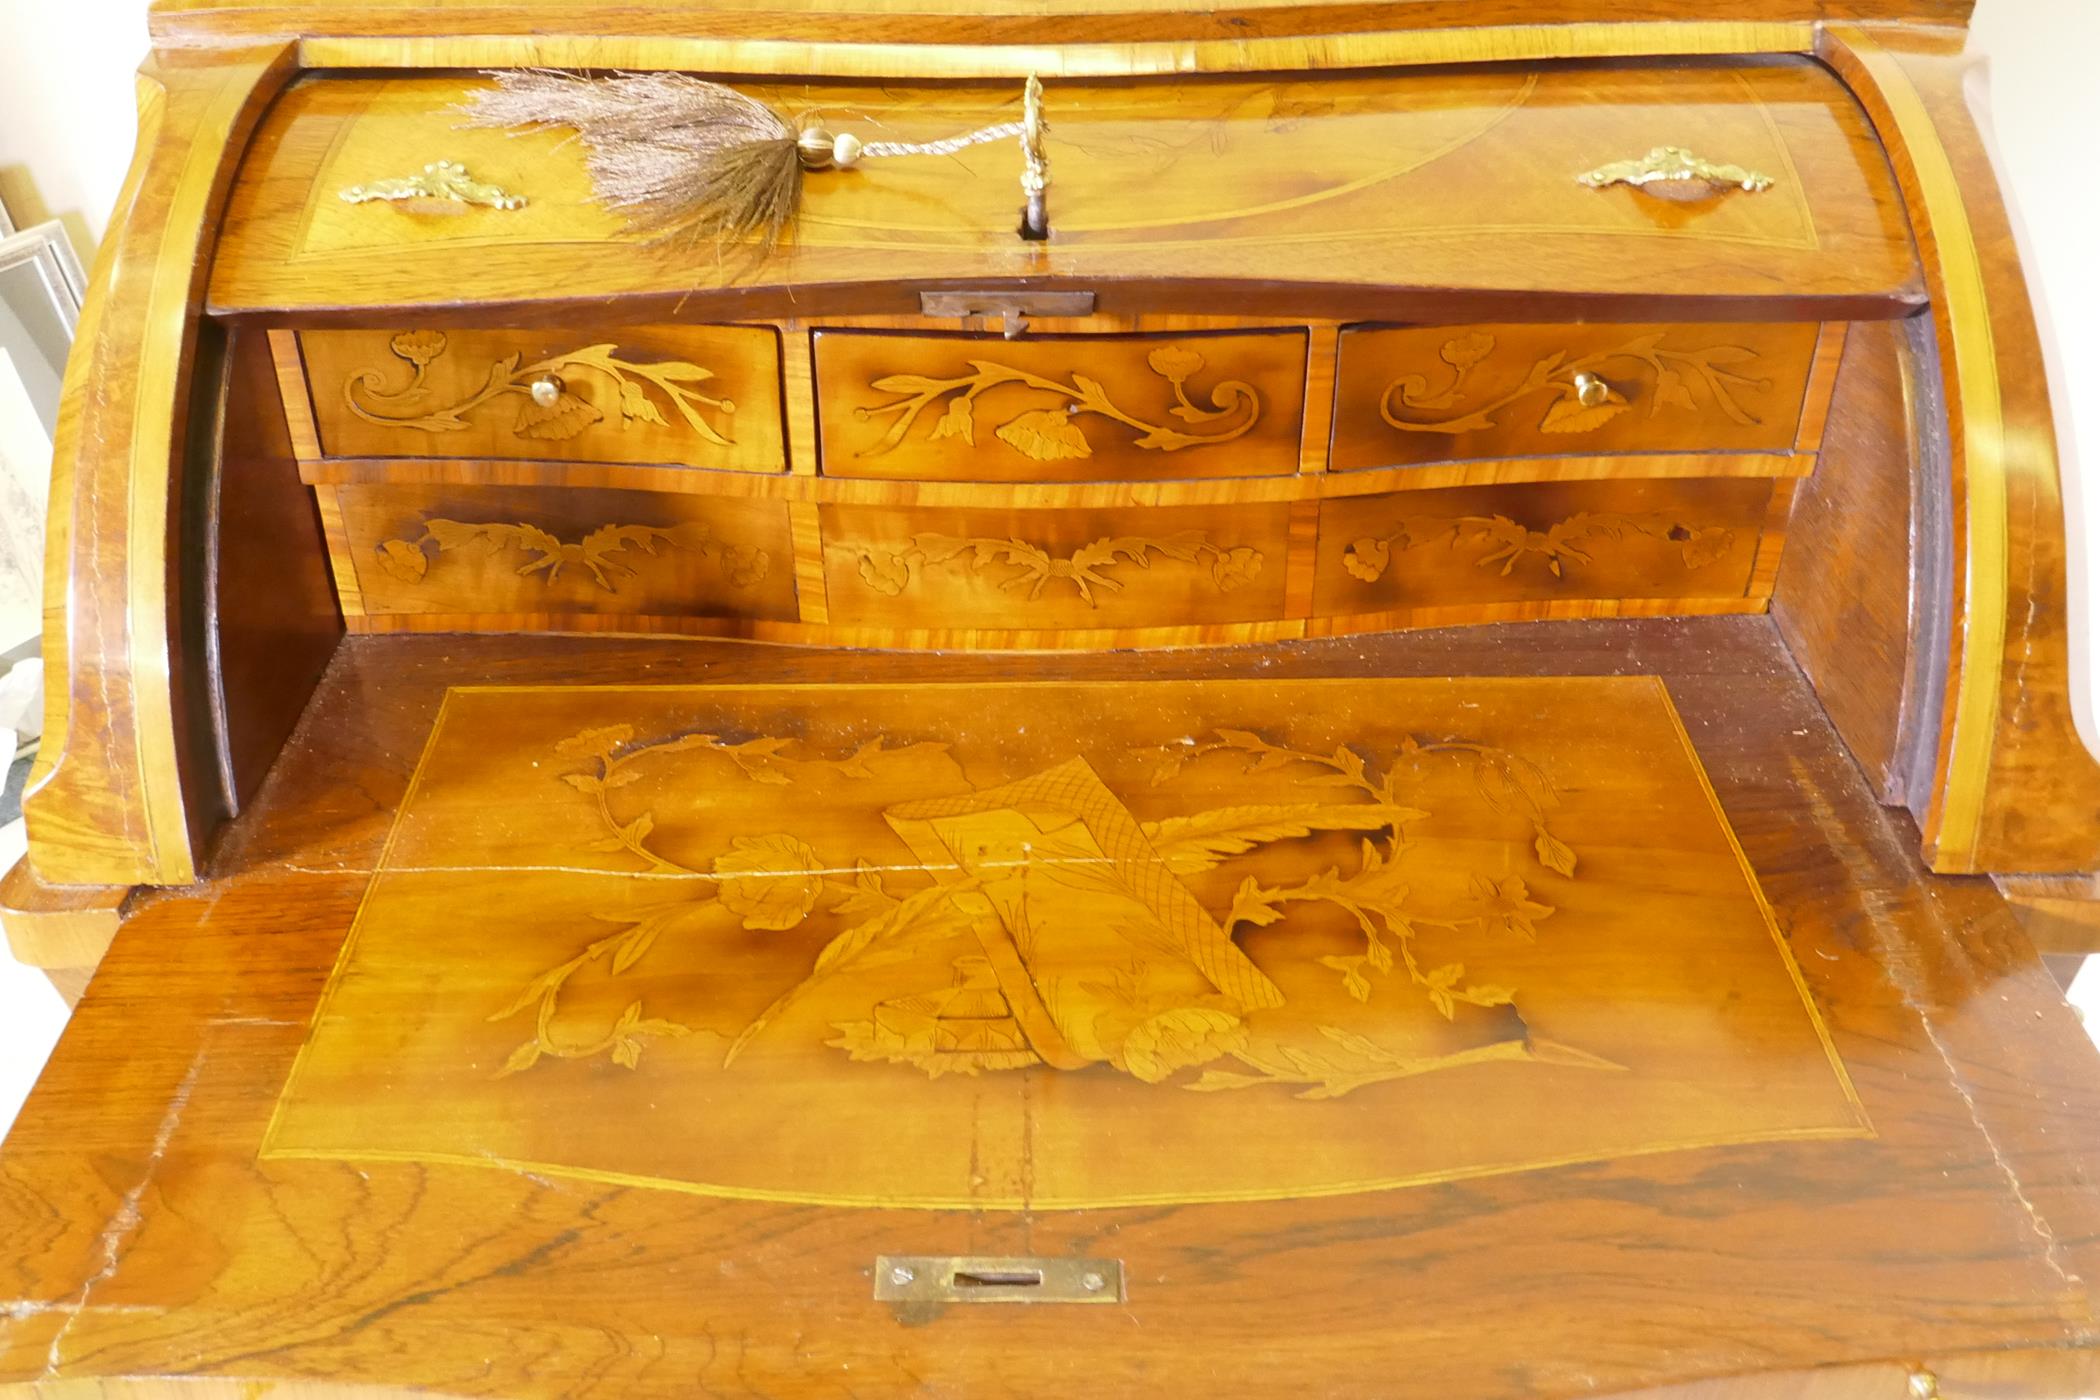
1674	173
443	186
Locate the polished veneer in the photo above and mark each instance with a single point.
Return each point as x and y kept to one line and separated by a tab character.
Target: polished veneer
1366	776
289	1221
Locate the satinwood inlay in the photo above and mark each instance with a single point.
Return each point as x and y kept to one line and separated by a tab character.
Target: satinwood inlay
1322	936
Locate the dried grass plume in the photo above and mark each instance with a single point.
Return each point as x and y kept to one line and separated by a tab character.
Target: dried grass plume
678	156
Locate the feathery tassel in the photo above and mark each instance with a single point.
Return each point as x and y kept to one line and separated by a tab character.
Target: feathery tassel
677	155
682	156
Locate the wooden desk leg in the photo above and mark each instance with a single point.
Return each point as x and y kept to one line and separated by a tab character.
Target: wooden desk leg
62	930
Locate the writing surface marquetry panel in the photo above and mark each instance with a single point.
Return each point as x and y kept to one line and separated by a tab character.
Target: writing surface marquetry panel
1542	541
704	938
1459	393
1074	569
702	396
530	554
1060	408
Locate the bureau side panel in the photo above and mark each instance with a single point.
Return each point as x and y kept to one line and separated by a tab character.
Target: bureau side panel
1846	599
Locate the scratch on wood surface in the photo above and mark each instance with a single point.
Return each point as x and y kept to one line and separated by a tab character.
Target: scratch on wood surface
126	1219
1895	955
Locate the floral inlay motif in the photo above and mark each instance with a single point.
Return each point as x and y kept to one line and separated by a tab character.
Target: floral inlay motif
1087	568
1504	541
557	405
1693	381
1051	433
409	559
1083	946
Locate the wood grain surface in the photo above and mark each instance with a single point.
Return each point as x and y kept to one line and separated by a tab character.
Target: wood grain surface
1082	912
1091	408
1054	570
152	1242
953	22
703	396
119	793
1162	192
528	554
1458	393
1861	519
1499	544
2014	786
274	617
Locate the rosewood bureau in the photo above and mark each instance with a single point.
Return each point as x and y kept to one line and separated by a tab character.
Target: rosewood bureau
793	699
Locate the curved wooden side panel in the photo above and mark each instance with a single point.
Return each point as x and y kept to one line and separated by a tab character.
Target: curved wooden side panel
105	805
2014	787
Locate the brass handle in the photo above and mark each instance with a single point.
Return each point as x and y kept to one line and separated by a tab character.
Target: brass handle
1590	390
546	389
1674	173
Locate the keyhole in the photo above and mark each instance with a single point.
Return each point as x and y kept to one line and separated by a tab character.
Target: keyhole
997	1278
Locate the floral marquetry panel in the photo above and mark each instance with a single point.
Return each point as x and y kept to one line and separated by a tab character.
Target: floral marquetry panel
700	396
1543	541
724	939
1045	408
1156	566
1459	393
508	556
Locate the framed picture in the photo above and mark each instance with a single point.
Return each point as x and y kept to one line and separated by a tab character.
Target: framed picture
41	286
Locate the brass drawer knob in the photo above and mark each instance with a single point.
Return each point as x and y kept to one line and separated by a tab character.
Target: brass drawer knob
546	389
1675	174
1591	390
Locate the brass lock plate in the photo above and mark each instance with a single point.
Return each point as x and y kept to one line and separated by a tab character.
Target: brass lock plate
976	1278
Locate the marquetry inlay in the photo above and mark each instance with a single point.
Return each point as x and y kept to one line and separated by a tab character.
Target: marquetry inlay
1316	936
1025	569
551	409
1497	540
1060	408
1577	397
1049	431
1419	394
606	554
683	394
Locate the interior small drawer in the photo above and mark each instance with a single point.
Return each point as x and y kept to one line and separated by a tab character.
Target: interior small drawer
1468	393
701	396
1543	542
1034	570
517	558
964	407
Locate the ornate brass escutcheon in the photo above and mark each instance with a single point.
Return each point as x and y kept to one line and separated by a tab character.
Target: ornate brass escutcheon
444	187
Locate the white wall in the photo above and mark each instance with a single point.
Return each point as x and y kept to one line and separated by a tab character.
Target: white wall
67	108
66	123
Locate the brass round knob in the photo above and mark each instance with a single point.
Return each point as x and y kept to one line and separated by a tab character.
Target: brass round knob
1590	391
546	390
818	149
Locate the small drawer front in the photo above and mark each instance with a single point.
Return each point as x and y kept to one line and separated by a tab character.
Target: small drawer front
1541	542
700	396
1060	408
1054	569
1467	393
525	553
